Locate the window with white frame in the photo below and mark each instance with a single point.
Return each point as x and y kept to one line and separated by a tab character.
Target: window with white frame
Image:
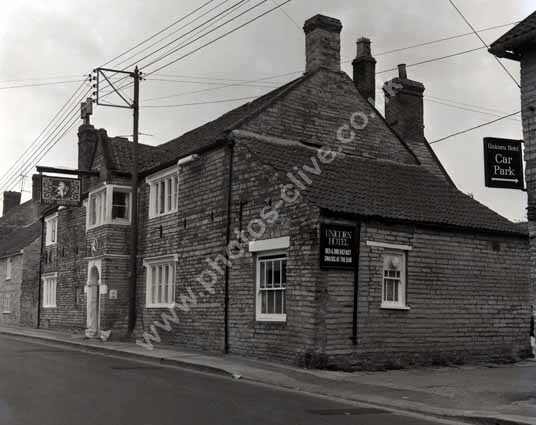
109	205
6	303
271	286
163	192
394	280
160	281
9	268
49	290
51	229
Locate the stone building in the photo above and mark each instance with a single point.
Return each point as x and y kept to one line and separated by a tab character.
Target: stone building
20	249
519	44
302	227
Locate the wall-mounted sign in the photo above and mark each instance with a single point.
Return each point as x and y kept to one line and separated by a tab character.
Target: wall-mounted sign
337	246
113	294
503	163
60	191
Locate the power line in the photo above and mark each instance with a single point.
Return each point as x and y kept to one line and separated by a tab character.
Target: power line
37	154
206	24
205	34
210	102
483	42
439	40
32	145
158	33
291	19
475	128
41	84
41	78
222	36
462	108
434	59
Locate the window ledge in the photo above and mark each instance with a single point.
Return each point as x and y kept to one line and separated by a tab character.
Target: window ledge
50	306
395	307
272	319
6	312
156	306
151	217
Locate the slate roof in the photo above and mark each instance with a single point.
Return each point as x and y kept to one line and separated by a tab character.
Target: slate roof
120	155
377	188
19	238
522	33
214	131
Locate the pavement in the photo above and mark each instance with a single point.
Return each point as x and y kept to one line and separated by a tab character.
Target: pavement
484	394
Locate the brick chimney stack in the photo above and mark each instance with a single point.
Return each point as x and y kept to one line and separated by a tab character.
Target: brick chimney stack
404	106
365	69
404	112
11	200
322	43
87	142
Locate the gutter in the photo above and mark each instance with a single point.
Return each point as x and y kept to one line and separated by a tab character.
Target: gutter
38	318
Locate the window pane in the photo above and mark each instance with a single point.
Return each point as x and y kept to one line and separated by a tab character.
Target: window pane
277	274
92	210
162	193
153	284
284	272
262	275
165	285
169	193
264	299
271	302
269	274
175	190
278	302
120	205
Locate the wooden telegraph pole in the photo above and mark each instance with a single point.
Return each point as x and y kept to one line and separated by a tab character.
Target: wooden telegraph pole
104	75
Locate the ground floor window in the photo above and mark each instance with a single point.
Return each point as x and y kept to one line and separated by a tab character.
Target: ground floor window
6	303
394	280
271	287
49	290
160	281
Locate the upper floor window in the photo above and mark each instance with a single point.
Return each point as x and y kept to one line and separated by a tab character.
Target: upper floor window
109	205
163	192
51	229
9	266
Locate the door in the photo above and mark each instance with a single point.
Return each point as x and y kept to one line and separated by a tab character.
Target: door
92	327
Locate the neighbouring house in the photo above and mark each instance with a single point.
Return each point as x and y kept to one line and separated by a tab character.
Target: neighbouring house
302	227
20	250
519	44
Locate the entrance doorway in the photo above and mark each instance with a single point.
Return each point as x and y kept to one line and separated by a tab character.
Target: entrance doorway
93	307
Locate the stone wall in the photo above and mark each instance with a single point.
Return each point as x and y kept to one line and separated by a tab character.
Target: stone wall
467	296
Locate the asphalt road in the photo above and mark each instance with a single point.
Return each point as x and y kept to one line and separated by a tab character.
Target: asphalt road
50	385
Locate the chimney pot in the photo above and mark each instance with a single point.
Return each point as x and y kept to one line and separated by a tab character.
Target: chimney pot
402	71
322	43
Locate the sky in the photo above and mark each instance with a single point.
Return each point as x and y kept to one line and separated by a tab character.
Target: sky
63	40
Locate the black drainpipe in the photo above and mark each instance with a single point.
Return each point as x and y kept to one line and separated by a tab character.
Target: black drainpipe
227	241
356	282
38	321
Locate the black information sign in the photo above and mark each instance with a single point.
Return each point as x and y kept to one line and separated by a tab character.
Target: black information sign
503	163
60	191
337	246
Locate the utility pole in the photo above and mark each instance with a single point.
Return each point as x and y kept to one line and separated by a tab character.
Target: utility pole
134	230
105	75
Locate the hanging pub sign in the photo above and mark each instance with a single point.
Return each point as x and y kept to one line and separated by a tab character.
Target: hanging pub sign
60	191
503	163
337	246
